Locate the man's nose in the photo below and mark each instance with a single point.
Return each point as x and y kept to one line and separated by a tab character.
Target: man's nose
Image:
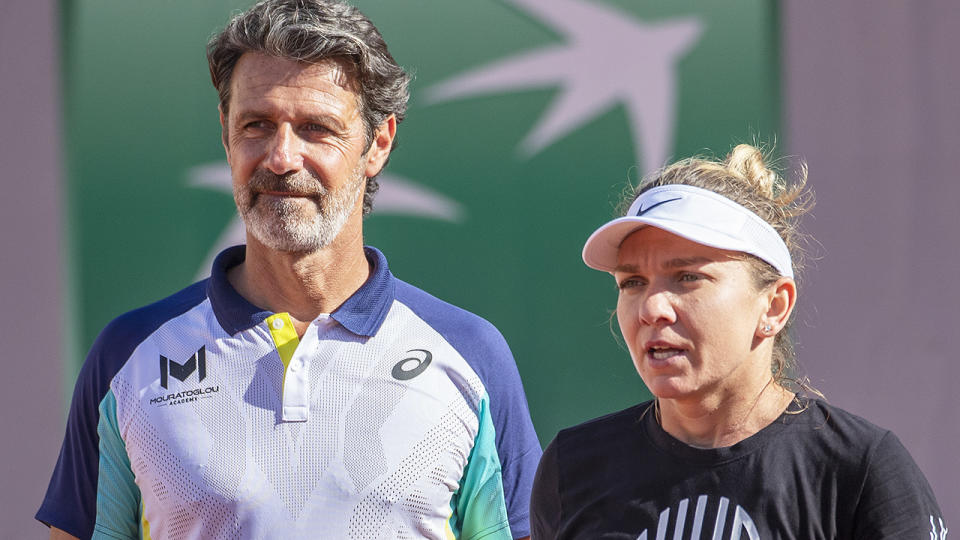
656	308
285	153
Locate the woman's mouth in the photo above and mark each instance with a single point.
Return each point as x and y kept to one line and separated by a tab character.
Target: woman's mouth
663	353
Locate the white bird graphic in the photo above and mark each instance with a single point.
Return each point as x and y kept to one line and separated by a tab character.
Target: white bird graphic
608	57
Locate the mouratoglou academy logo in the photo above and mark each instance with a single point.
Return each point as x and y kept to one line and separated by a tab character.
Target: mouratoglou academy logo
182	371
197	362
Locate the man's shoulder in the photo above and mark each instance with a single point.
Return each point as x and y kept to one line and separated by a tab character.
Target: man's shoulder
446	318
478	341
119	339
125	332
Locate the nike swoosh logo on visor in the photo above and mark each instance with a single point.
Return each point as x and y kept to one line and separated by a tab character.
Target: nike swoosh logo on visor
651	207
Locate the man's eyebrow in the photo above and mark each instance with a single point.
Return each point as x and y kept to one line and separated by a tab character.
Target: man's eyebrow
250	114
324	119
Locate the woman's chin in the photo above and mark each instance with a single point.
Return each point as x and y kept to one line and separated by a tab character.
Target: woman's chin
670	389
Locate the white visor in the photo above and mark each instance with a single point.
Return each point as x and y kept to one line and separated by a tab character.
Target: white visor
697	214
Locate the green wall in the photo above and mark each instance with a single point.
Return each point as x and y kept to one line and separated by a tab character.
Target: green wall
141	115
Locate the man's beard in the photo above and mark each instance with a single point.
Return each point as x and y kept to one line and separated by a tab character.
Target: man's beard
300	224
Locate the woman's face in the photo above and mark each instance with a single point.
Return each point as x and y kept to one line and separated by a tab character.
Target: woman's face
691	317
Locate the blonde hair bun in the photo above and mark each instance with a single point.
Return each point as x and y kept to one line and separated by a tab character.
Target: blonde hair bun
748	163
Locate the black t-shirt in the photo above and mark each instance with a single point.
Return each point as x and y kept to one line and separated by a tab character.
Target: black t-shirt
818	473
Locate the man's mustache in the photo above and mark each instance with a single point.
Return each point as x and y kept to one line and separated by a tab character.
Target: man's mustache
300	182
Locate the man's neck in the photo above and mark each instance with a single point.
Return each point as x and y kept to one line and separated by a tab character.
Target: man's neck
302	284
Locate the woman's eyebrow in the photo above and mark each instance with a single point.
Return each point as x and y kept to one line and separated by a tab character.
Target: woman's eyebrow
683	262
678	262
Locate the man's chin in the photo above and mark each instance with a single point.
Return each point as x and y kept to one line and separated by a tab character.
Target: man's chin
286	206
291	197
293	244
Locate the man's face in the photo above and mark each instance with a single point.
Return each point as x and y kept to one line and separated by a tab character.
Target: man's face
296	144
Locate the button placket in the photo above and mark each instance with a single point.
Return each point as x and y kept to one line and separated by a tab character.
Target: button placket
296	385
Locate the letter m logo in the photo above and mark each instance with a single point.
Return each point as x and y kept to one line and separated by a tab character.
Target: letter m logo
197	362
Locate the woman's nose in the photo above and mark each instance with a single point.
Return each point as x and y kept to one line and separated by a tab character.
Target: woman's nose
656	307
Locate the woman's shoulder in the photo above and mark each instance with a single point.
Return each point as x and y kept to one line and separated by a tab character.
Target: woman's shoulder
598	450
612	423
602	437
895	499
818	427
827	420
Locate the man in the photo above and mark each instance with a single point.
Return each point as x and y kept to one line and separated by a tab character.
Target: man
301	391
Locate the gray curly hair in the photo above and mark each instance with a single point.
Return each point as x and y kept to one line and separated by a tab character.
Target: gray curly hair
310	31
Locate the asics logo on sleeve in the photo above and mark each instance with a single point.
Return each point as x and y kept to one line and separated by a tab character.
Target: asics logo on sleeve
412	366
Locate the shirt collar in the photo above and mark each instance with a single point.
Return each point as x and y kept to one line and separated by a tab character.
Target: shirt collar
362	313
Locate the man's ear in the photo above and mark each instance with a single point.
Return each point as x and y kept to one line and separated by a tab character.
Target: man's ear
781	299
223	131
380	146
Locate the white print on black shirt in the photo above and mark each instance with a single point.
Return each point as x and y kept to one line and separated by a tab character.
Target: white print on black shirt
934	533
741	522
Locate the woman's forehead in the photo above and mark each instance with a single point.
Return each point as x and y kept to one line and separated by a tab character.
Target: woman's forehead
657	247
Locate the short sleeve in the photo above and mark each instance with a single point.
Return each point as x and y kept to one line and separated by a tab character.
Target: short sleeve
517	444
487	353
70	502
545	499
479	507
118	497
896	501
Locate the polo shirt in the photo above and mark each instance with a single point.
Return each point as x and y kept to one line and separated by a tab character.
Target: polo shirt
203	416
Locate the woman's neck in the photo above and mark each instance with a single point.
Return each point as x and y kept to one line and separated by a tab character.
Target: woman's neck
723	421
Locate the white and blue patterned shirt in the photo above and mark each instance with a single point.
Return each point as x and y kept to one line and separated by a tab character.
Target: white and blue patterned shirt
396	416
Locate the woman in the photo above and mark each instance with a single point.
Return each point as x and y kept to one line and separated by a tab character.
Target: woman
704	260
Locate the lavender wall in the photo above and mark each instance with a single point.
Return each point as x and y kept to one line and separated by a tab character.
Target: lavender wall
31	388
873	104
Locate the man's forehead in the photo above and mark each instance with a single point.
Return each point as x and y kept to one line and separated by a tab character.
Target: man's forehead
255	71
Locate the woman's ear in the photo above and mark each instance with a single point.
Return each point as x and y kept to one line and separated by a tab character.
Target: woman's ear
781	298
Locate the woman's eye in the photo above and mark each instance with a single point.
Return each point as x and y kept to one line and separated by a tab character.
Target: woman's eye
630	283
686	276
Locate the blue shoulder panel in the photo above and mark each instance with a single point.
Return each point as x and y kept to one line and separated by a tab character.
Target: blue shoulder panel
70	502
485	350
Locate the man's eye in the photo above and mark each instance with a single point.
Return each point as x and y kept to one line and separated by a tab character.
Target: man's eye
316	128
255	125
686	276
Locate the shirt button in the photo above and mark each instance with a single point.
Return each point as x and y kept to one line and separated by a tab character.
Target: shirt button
277	324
